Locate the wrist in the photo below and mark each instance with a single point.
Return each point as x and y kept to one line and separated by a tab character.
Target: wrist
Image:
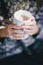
3	32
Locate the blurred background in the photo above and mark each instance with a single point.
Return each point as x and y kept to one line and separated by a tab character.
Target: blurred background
36	8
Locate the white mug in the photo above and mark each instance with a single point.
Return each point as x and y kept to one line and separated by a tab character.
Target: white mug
19	20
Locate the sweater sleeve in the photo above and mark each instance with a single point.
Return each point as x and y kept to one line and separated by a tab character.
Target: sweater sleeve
3	32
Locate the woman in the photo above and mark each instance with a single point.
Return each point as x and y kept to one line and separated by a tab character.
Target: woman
13	49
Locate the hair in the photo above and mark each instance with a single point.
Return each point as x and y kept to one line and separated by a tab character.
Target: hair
4	9
6	4
39	3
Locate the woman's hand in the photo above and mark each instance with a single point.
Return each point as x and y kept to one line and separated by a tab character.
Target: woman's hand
31	28
18	32
15	31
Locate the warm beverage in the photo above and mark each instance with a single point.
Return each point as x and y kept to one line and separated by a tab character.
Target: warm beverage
25	18
22	17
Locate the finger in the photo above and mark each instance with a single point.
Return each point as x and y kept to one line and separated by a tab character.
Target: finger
30	32
14	26
29	27
32	18
33	31
17	31
30	23
18	36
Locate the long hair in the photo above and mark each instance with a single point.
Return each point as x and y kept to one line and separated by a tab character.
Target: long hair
39	4
4	8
